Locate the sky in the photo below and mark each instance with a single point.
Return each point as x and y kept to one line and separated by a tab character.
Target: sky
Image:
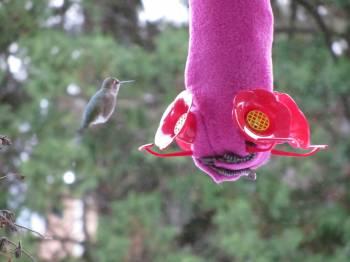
169	10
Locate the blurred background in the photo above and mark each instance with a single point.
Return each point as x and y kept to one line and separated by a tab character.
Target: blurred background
102	200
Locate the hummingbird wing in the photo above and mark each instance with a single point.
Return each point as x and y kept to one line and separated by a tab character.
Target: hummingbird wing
92	110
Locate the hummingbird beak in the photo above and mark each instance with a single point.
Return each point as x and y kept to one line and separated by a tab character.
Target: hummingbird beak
127	81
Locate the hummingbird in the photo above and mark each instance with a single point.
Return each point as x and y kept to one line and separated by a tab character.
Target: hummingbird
102	104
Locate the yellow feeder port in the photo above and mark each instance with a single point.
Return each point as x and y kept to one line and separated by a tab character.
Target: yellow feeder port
180	123
258	120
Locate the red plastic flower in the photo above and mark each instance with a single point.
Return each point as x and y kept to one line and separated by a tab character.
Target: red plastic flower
267	119
178	124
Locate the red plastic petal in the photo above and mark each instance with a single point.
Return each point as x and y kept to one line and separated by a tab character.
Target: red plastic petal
173	120
299	128
313	150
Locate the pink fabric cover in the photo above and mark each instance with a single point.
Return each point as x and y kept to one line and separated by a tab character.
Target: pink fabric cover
229	50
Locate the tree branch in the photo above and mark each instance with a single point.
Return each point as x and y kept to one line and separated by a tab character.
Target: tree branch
294	30
292	19
321	24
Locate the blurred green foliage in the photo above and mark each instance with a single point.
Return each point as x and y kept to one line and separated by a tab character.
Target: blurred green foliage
150	209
